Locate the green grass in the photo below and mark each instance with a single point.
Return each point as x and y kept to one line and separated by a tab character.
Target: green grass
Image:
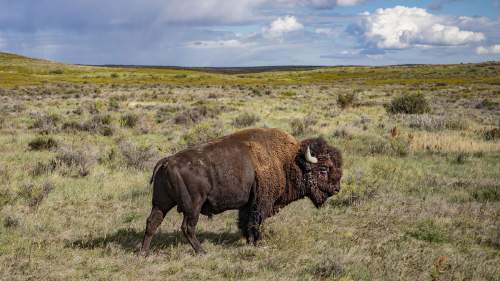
21	71
419	199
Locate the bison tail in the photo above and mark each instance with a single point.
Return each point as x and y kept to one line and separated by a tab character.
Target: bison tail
155	170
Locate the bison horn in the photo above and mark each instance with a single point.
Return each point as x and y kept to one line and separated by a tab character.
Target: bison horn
309	157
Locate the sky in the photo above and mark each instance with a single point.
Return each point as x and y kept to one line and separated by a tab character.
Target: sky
252	32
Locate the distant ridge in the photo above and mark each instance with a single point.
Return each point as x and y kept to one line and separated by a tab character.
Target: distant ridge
11	57
224	70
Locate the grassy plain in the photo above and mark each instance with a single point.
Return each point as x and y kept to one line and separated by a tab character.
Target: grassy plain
420	196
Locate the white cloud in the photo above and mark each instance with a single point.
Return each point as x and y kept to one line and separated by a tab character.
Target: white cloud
212	44
270	34
281	26
403	27
491	50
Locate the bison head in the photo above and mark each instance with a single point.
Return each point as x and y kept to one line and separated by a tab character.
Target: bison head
321	165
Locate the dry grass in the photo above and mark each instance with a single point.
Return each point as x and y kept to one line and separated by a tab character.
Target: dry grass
450	142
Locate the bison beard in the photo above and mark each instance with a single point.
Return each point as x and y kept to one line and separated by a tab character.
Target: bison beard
257	171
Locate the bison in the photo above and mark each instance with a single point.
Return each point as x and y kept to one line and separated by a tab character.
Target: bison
256	171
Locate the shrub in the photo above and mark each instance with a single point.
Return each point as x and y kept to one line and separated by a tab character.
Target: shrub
129	120
187	116
287	94
326	268
462	157
4	173
376	145
42	168
492	134
42	142
35	194
429	231
301	127
165	111
399	147
137	157
78	111
5	196
56	71
245	120
203	132
98	124
343	133
94	107
489	193
10	222
346	100
104	119
409	104
488	104
197	113
114	75
46	123
107	157
72	125
114	103
73	162
255	92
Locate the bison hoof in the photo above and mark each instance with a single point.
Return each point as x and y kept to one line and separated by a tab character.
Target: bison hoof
200	252
144	254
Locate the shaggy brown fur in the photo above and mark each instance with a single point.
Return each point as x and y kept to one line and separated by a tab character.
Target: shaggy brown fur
257	171
272	152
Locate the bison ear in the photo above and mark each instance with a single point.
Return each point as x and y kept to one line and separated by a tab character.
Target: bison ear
309	157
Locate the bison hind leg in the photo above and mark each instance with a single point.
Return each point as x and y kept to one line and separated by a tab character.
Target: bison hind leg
153	222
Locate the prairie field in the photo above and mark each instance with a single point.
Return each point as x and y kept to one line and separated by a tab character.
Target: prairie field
419	199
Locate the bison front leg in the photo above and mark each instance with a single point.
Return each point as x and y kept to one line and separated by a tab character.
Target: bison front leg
250	219
189	228
243	221
249	224
254	222
153	222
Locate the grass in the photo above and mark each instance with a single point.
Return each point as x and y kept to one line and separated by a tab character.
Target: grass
419	198
21	71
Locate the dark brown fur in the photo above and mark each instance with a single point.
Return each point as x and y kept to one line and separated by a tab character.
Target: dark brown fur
257	171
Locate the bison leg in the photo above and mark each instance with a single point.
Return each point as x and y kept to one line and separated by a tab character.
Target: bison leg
188	229
153	222
243	221
254	221
249	224
249	219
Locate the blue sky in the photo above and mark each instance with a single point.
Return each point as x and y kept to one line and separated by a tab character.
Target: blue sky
252	32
